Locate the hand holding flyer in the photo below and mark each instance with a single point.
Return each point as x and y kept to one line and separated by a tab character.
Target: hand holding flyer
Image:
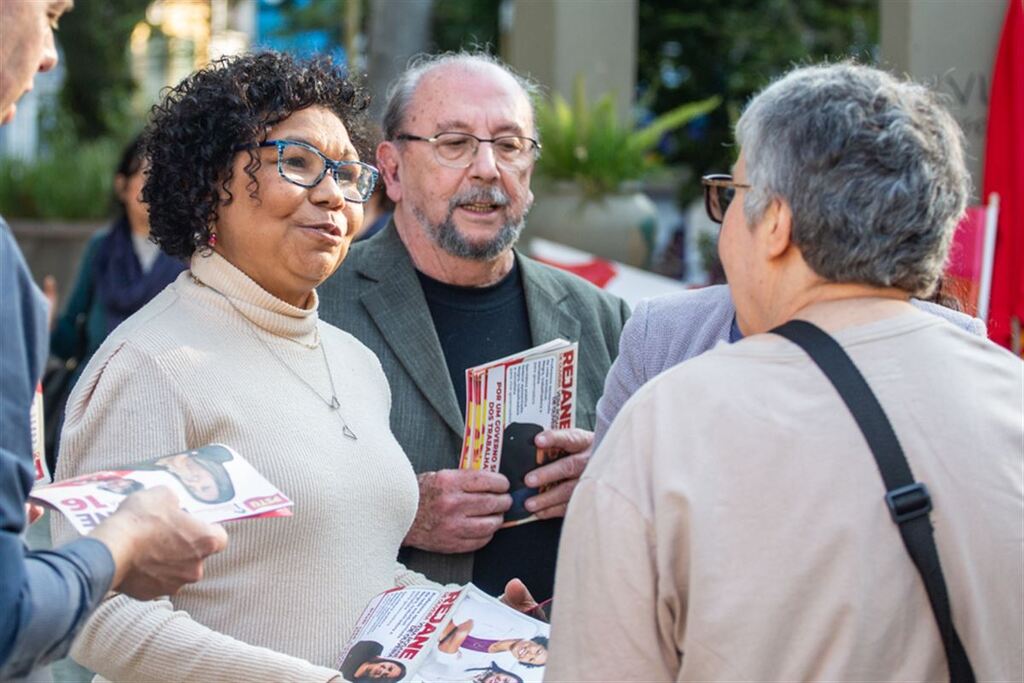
509	402
212	482
419	633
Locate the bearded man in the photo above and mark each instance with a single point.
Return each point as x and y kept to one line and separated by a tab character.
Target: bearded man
442	288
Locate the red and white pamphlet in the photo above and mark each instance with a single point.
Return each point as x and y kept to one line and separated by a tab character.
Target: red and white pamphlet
509	402
38	426
424	634
213	483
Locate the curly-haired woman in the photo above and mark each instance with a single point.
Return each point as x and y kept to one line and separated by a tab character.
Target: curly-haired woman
255	176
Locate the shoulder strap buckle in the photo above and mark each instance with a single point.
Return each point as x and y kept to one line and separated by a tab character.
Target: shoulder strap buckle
908	502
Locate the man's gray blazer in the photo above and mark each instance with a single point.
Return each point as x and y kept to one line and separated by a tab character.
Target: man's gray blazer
376	296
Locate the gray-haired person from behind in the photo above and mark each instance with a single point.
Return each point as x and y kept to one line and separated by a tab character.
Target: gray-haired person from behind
735	490
856	225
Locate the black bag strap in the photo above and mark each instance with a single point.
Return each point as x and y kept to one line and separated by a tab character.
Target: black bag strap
909	502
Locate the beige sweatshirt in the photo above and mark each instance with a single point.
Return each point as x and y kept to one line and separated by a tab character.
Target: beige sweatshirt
188	369
732	527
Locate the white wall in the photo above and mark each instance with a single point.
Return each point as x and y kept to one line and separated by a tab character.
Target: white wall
950	44
554	40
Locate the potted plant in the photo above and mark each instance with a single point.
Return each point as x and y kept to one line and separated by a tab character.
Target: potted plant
591	167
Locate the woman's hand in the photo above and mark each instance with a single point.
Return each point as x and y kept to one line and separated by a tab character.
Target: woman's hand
518	597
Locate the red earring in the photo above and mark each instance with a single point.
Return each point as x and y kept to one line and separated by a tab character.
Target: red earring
212	241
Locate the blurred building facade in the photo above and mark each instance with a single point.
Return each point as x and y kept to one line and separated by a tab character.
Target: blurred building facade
179	36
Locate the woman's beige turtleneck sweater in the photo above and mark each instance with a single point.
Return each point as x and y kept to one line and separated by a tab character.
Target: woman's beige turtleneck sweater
188	369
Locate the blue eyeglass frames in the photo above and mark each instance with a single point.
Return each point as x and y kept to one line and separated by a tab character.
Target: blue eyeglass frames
304	165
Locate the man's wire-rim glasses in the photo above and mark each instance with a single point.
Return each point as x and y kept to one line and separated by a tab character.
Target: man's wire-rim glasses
458	150
719	191
304	165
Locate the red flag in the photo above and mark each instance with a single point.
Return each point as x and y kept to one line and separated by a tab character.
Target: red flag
962	278
1004	173
597	270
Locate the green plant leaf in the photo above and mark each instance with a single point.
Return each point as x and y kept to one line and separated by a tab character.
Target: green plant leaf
50	187
648	136
589	145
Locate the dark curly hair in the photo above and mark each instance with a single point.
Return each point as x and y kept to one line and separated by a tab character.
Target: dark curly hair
193	134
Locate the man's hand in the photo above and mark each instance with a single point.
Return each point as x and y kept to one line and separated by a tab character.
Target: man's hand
560	476
157	547
459	510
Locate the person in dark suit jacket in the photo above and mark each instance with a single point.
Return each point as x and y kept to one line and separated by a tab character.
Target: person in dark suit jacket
442	289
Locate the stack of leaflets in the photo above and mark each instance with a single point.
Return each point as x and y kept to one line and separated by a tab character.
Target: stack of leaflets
508	403
213	483
420	633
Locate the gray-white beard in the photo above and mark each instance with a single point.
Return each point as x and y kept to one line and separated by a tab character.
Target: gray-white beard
447	236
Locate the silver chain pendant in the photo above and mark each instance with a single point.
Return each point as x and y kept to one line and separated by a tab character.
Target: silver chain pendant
334	404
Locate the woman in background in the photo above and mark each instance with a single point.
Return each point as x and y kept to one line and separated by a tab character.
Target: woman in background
122	269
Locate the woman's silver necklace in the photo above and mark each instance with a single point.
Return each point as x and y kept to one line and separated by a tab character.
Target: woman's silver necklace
333	404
